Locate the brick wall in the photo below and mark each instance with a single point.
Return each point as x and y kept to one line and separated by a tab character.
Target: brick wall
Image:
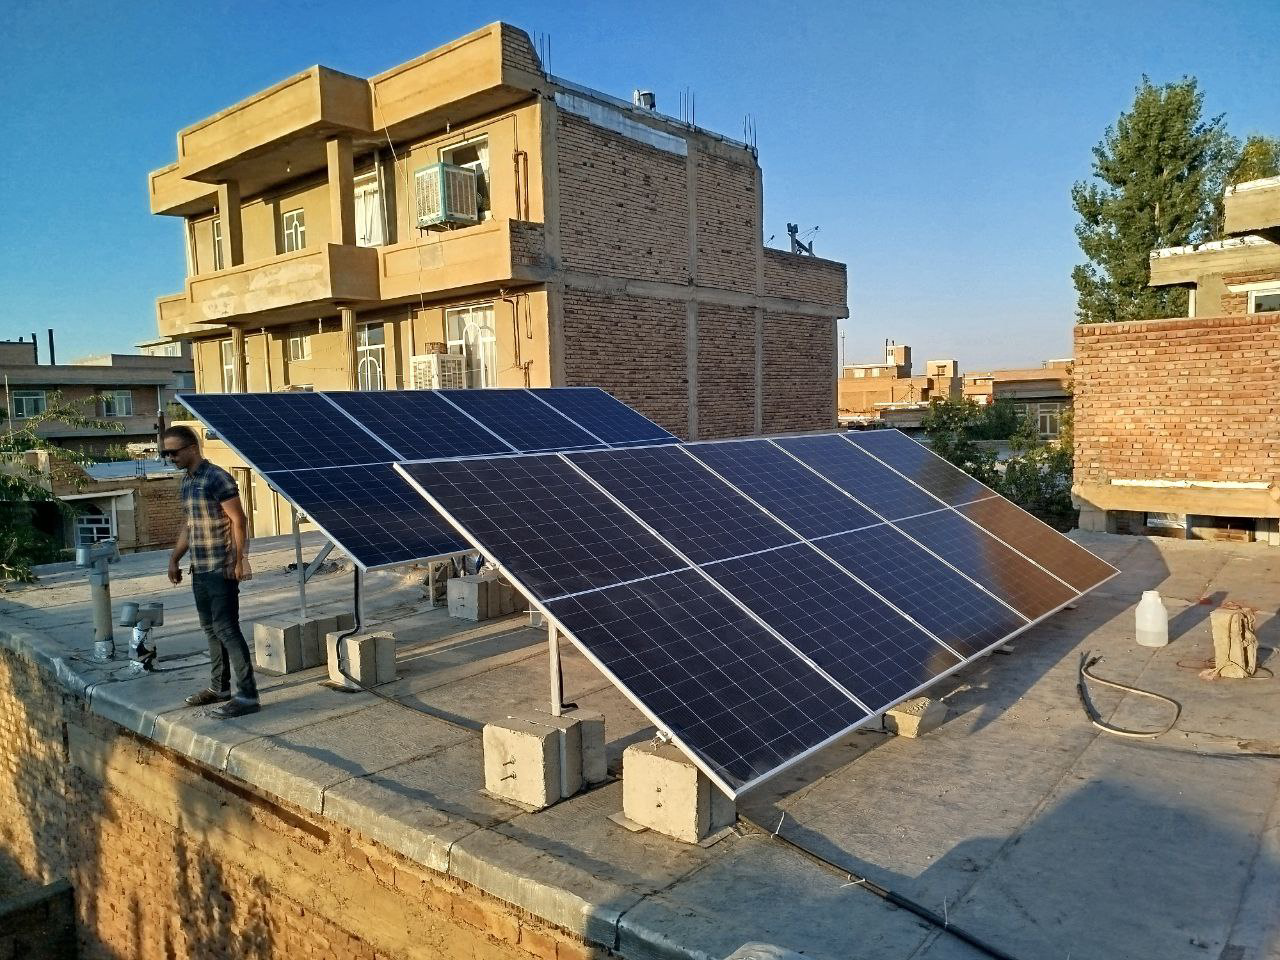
159	513
623	205
799	373
517	50
726	371
171	860
727	231
1187	399
633	347
810	279
1237	304
528	243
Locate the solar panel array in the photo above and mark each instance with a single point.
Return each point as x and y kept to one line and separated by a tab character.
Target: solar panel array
331	454
758	599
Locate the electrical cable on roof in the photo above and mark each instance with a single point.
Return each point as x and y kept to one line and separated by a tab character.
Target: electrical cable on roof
855	880
1095	718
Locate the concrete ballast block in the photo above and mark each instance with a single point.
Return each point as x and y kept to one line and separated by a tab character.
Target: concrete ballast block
594	760
915	717
522	762
469	597
367	658
278	646
663	790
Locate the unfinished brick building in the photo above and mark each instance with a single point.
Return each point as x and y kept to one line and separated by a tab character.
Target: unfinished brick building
1178	421
468	202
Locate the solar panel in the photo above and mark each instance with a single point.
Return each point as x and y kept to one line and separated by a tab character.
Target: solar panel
282	431
1041	543
721	684
1006	573
522	420
604	416
376	516
920	465
861	476
419	424
551	527
787	489
699	514
874	652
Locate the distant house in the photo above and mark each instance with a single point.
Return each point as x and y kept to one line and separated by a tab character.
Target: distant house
1041	394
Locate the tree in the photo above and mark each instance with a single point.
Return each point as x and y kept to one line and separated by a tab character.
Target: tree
1159	175
1258	158
24	483
955	426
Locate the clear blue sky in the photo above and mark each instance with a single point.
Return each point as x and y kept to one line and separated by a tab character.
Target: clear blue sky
933	144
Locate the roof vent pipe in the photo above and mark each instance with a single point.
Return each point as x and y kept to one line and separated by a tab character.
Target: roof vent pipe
644	99
51	357
35	350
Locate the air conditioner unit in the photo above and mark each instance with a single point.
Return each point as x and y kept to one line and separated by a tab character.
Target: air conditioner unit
446	195
438	371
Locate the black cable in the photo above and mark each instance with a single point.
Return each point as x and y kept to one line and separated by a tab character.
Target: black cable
924	913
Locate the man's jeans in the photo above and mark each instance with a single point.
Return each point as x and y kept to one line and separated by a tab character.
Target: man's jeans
218	603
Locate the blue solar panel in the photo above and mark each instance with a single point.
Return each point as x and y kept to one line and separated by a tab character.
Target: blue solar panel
699	514
419	424
863	644
853	471
372	511
522	420
791	492
951	607
708	673
1006	573
607	418
548	525
283	431
920	465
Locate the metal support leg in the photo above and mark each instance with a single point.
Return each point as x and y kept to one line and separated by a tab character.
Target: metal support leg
557	692
302	569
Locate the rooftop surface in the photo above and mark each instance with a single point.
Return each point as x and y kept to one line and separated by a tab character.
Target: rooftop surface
1016	819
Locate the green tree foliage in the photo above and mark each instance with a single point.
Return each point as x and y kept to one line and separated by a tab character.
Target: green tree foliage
1258	158
24	482
1158	175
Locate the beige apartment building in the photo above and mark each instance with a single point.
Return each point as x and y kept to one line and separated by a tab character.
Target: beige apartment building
343	233
1177	422
888	392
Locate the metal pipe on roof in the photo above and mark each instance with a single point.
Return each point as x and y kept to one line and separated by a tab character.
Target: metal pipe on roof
52	359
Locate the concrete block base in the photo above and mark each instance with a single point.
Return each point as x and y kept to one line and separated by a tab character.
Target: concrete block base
368	658
483	596
664	791
915	717
285	645
538	759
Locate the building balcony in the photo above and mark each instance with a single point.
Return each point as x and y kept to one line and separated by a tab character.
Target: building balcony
476	258
1254	207
1186	265
293	286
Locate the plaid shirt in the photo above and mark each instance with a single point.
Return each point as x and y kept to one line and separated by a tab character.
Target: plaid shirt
208	529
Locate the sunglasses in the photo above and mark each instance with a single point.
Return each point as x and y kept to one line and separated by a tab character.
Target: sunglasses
174	452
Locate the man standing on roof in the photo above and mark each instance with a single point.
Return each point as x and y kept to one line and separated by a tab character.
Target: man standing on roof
214	533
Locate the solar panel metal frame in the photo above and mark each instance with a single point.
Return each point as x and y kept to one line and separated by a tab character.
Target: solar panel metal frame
873	714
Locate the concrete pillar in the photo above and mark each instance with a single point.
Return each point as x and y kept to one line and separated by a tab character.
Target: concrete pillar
342	198
232	229
238	361
348	317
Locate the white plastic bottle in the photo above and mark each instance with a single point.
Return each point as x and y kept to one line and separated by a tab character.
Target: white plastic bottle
1152	620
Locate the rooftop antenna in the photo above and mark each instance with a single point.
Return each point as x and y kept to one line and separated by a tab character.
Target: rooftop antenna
797	245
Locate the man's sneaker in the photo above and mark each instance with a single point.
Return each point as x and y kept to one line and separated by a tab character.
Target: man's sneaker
206	697
236	707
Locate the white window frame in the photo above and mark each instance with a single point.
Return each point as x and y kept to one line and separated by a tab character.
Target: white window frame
28	403
215	229
484	186
299	347
373	232
293	230
89	524
470	332
117	403
227	354
1264	292
370	356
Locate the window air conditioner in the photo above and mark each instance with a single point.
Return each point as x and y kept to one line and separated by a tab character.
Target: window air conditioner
439	371
446	195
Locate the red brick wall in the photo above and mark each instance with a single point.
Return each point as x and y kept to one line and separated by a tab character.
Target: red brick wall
633	347
799	373
810	279
1187	399
623	205
727	232
726	371
159	513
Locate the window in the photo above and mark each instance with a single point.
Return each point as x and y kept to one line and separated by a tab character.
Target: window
370	353
228	367
474	155
299	347
27	403
117	403
470	333
369	232
217	244
1264	301
293	230
91	527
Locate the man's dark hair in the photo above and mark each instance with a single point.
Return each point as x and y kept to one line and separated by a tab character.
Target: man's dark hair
185	434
